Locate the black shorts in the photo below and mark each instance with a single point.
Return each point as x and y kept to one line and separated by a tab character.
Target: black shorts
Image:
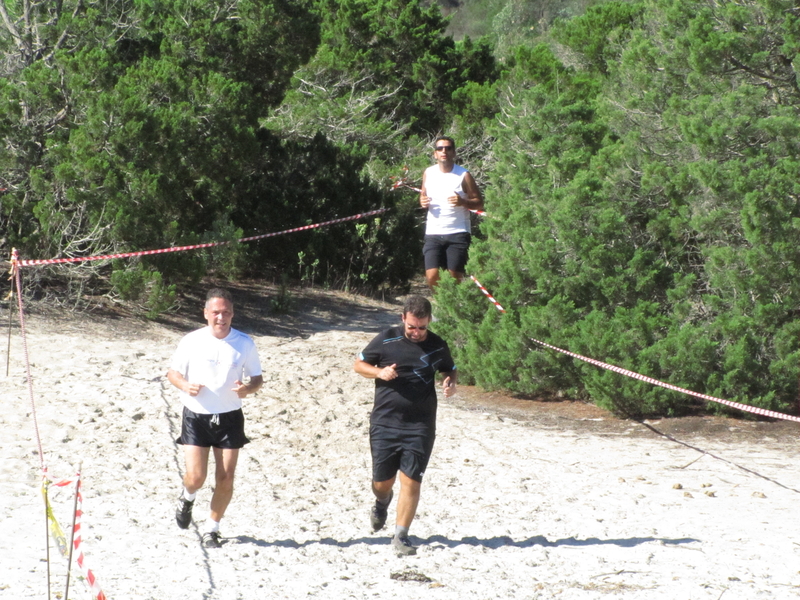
399	450
224	430
447	251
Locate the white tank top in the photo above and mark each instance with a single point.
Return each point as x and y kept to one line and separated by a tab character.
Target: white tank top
444	219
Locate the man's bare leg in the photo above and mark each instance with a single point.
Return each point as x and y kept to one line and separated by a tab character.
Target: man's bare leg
383	496
196	459
406	510
408	501
459	276
226	459
432	277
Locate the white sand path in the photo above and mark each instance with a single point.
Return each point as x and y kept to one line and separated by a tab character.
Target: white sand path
510	508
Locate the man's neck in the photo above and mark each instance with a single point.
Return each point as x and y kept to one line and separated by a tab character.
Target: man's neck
446	167
219	334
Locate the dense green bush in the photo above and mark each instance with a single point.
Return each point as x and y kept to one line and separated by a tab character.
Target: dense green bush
131	126
644	205
140	126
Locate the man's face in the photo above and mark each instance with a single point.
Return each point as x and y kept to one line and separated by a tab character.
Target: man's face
219	313
415	329
443	151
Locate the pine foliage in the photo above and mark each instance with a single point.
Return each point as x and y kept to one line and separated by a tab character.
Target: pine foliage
644	203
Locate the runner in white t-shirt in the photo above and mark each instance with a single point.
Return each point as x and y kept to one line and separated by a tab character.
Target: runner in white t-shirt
215	367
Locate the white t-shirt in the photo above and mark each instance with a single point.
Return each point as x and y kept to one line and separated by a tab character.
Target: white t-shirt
444	219
217	365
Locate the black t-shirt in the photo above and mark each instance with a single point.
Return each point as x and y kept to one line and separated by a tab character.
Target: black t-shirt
409	401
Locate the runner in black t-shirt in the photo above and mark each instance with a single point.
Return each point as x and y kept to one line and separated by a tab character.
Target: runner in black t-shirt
403	361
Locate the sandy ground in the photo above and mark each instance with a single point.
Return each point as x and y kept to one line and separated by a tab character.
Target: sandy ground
517	503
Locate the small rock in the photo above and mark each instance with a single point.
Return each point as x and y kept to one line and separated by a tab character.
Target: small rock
677	486
411	575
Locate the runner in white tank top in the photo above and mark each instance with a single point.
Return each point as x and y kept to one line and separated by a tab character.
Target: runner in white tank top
449	192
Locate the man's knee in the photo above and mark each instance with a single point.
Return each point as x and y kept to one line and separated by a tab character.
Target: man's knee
458	275
432	277
409	485
194	480
223	477
196	467
381	489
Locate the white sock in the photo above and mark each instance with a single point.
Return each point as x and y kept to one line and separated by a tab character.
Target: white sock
188	496
400	531
212	526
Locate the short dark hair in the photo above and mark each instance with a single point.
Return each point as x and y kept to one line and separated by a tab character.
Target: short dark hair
446	139
418	307
218	293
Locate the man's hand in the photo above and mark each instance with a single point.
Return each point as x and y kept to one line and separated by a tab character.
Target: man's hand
241	389
251	387
448	387
388	373
424	201
193	388
456	200
180	382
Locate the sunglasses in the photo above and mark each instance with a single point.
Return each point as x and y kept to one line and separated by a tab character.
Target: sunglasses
414	328
443	148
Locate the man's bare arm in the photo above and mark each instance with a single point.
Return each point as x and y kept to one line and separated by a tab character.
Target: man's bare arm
180	382
474	199
251	387
372	372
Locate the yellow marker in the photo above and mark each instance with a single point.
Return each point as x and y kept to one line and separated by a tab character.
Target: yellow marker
55	529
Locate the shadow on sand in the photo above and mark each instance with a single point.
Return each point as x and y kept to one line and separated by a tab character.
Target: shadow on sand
309	311
492	543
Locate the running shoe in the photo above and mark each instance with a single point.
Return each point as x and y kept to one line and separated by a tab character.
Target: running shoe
183	514
402	546
211	539
377	516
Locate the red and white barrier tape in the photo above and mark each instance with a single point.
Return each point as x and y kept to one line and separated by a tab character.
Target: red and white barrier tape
17	263
89	577
15	273
62	482
488	295
316	225
58	534
53	261
745	407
